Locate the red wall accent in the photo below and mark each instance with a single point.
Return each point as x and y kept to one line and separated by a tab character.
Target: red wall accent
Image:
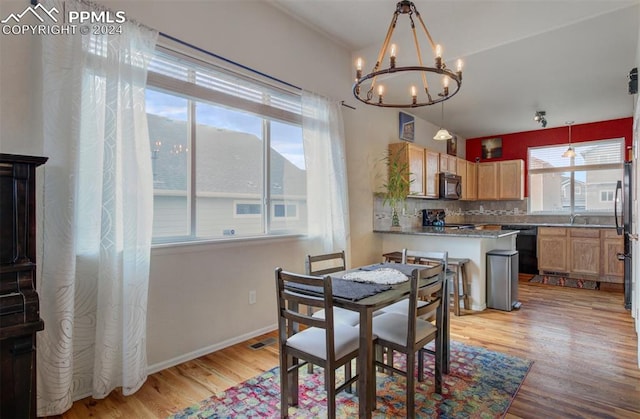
514	146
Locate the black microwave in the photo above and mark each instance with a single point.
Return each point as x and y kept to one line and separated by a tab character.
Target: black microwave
450	186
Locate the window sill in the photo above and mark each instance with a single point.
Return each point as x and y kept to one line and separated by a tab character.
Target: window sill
207	244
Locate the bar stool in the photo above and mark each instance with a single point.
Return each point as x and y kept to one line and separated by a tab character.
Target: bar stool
457	266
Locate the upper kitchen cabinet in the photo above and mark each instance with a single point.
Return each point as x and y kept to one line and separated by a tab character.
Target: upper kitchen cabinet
511	179
413	156
448	164
470	180
431	169
502	180
487	181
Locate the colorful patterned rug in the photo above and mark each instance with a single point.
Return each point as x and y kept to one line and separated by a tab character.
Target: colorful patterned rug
564	282
481	384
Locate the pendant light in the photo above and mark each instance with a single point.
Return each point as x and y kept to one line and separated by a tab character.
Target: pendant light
442	134
570	151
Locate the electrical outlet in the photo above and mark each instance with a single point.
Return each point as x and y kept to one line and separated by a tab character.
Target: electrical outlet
252	297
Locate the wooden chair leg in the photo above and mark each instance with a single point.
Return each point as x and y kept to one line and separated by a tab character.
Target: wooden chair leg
285	390
411	385
465	285
330	384
456	291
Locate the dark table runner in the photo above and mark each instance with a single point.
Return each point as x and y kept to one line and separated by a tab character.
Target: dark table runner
349	290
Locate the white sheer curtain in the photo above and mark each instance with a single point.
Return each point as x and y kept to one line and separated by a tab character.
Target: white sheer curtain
324	155
98	205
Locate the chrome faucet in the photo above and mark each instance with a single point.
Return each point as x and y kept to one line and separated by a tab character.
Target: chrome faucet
573	218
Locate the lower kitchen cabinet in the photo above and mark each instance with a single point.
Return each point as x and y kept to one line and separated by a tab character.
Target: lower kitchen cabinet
584	251
587	253
552	249
612	267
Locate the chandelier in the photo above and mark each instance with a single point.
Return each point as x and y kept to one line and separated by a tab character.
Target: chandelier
397	85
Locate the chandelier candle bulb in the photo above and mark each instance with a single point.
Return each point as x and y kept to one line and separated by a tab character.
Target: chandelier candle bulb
445	83
380	92
414	95
358	69
459	68
438	56
392	56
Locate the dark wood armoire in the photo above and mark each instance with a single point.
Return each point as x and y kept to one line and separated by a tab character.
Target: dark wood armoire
19	303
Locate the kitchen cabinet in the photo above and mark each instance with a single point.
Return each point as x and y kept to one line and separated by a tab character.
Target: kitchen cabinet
470	181
431	169
552	249
584	251
487	181
511	179
581	252
612	268
502	180
448	164
413	155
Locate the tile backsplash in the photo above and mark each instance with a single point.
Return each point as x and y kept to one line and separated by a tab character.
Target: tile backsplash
499	212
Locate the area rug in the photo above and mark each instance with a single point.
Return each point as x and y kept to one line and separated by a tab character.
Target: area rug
564	282
481	384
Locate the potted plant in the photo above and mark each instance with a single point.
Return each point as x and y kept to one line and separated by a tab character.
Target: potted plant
397	185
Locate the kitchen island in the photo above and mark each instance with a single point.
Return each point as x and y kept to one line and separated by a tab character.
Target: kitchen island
460	243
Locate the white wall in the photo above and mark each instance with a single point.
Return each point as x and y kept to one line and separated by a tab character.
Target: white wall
198	295
20	110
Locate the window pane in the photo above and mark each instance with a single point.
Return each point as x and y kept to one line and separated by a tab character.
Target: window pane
168	134
550	192
288	179
599	183
229	166
584	183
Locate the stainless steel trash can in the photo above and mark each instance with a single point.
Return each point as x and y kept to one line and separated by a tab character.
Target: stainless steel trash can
502	279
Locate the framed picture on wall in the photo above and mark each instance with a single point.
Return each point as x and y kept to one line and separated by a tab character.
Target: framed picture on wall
452	146
491	148
407	127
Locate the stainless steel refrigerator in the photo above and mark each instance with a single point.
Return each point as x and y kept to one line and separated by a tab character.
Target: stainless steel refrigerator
623	226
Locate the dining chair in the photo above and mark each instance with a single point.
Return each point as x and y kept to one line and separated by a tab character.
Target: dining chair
324	264
306	339
409	332
418	258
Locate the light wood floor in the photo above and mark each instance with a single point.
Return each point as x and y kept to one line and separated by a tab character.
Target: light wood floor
583	343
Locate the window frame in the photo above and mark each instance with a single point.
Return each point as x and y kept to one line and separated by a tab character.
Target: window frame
572	168
282	112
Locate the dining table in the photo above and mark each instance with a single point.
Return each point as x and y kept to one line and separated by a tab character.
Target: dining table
368	298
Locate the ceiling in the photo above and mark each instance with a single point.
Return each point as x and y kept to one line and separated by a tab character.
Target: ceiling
568	58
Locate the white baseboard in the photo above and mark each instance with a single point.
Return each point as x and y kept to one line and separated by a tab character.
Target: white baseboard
152	369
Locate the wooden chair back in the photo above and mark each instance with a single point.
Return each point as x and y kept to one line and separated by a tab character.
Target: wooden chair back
325	263
290	313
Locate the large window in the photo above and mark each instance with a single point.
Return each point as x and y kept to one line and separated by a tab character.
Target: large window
227	153
580	184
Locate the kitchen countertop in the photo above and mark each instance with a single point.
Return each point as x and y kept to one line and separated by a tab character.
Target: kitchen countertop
442	231
563	225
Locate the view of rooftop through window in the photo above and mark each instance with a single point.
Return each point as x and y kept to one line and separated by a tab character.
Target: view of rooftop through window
213	155
581	184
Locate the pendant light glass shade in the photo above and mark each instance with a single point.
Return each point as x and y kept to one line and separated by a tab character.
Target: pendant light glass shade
442	135
570	151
